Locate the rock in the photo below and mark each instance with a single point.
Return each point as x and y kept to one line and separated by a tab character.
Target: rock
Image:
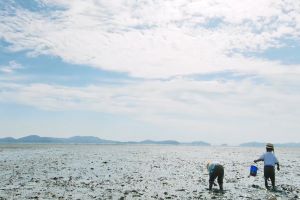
255	186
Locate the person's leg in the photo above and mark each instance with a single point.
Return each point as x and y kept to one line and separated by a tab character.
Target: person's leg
272	177
266	183
212	178
266	175
220	176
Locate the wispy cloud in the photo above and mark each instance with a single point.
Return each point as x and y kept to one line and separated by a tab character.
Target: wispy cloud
11	67
180	97
179	104
156	38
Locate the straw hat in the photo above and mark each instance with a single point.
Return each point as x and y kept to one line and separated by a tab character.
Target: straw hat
269	146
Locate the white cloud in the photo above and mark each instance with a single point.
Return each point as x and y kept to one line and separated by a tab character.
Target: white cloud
11	67
156	38
178	104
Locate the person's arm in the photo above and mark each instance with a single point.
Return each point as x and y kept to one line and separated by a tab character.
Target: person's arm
257	160
261	158
277	163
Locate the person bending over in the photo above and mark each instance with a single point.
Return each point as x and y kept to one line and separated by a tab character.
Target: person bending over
215	171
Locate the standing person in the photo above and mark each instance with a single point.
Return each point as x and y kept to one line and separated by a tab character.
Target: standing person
215	171
270	160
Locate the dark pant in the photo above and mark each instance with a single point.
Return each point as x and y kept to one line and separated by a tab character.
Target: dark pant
218	172
269	172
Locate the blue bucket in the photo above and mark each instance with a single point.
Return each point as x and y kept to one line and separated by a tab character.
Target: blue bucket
253	170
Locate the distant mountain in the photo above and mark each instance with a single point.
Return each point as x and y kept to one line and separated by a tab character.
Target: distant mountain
198	143
253	144
35	139
90	140
159	142
169	142
260	144
31	139
7	140
288	145
38	139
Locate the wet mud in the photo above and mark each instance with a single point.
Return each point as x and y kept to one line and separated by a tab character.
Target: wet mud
139	172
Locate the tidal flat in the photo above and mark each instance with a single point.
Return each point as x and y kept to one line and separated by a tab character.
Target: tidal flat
47	171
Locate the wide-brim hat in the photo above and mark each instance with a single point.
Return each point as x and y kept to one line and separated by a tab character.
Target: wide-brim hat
269	146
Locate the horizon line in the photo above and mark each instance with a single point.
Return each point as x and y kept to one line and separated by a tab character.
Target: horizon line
154	140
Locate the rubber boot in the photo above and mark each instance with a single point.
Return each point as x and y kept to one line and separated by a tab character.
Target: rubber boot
221	186
266	184
273	186
210	186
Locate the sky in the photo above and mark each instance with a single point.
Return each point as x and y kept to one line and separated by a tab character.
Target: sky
188	70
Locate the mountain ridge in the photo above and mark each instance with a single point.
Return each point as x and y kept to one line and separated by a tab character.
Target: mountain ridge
263	144
36	139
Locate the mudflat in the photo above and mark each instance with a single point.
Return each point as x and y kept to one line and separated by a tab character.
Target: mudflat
33	171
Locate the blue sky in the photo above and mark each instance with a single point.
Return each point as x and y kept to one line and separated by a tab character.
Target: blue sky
182	70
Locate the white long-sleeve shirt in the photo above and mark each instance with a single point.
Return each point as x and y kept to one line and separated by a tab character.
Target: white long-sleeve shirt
269	159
